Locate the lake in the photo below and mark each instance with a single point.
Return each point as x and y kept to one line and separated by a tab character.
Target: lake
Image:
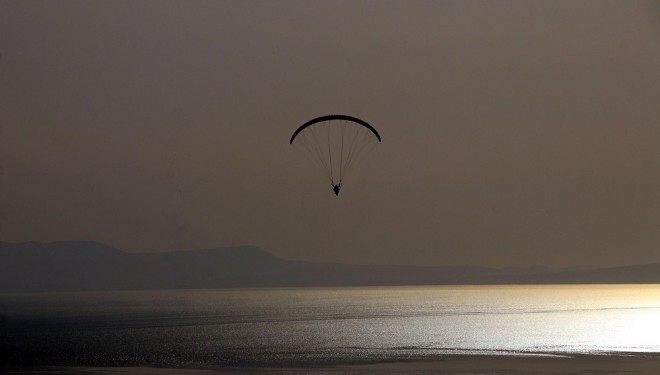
324	326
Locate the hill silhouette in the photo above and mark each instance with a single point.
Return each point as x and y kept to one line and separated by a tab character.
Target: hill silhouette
86	265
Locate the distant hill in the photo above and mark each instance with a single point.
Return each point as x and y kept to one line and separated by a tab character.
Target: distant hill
84	265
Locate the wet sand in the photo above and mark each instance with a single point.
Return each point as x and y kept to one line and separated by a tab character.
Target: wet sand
577	364
559	364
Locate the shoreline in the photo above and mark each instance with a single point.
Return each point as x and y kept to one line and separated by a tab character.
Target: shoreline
532	363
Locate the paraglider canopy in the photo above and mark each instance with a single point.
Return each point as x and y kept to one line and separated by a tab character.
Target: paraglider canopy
334	117
336	143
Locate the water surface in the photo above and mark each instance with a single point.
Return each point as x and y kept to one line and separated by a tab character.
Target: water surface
324	326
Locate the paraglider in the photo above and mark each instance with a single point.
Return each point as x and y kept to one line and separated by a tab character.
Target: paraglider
336	143
336	188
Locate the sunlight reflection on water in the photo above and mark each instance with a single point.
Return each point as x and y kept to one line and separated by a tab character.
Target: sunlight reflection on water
326	325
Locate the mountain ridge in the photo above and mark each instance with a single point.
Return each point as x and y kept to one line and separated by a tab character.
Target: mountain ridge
89	265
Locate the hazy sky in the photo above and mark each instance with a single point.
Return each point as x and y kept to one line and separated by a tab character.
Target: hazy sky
514	132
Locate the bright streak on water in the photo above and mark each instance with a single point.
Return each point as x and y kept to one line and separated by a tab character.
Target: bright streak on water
325	325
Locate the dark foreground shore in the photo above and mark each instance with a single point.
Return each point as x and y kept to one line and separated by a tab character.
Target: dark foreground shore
546	364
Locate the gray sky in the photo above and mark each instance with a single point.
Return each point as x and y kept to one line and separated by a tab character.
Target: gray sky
514	132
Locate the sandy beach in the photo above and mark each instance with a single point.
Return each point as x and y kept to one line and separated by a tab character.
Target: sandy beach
555	364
